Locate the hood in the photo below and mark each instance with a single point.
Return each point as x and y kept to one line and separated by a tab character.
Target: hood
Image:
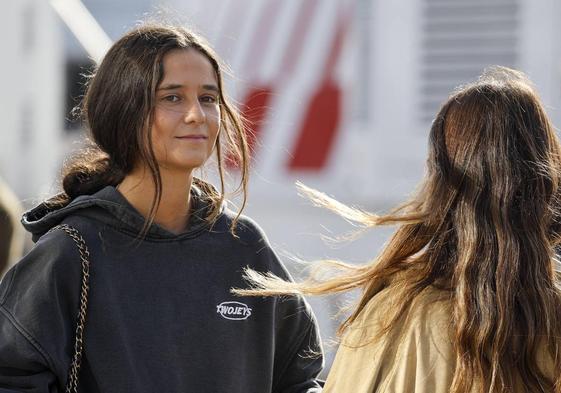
111	207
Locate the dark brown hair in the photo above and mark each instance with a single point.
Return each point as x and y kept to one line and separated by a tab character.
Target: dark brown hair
483	226
118	110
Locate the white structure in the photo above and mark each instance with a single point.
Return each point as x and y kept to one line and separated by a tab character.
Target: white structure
31	101
397	61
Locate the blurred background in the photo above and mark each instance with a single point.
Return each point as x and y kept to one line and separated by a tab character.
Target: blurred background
341	94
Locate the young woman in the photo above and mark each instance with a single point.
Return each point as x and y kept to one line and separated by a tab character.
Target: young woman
465	296
164	250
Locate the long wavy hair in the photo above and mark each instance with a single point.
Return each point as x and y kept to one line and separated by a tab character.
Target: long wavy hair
118	109
484	225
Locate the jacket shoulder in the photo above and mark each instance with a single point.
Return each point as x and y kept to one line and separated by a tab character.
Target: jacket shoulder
418	345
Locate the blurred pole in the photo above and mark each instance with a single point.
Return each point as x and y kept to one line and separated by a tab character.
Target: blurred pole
84	26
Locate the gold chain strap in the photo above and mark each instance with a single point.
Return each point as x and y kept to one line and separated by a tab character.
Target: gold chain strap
72	381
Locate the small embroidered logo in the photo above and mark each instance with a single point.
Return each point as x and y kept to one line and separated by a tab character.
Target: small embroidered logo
235	311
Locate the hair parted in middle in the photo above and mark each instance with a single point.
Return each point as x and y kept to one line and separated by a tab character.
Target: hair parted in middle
118	109
483	225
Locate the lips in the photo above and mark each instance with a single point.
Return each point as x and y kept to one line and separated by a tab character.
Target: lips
192	137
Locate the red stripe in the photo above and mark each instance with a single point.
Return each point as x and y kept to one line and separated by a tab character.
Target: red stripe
318	130
255	104
320	126
257	101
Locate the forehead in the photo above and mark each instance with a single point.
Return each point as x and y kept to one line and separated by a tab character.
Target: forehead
187	65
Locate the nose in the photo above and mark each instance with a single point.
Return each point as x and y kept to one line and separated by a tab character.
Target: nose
195	114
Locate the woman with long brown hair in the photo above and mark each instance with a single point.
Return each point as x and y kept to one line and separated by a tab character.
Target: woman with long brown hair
127	287
465	296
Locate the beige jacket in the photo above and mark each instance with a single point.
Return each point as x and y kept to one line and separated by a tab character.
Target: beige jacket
416	356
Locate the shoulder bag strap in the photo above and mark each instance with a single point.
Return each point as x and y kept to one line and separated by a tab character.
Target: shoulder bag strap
72	381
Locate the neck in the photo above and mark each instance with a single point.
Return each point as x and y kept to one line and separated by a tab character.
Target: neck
173	211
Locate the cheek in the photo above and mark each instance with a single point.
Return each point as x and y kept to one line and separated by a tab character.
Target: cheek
164	120
157	132
160	133
164	124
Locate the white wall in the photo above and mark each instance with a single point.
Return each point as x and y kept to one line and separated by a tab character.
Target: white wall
31	98
540	44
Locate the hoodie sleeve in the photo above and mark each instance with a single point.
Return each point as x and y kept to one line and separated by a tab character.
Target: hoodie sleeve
24	366
38	303
298	352
301	361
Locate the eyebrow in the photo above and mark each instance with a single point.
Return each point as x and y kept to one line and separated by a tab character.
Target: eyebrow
172	86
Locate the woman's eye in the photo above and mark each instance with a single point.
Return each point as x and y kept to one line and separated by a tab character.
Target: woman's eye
172	98
209	99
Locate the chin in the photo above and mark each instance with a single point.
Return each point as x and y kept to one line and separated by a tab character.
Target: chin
185	163
188	165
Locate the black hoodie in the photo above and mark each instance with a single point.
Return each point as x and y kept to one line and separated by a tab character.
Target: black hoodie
161	317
